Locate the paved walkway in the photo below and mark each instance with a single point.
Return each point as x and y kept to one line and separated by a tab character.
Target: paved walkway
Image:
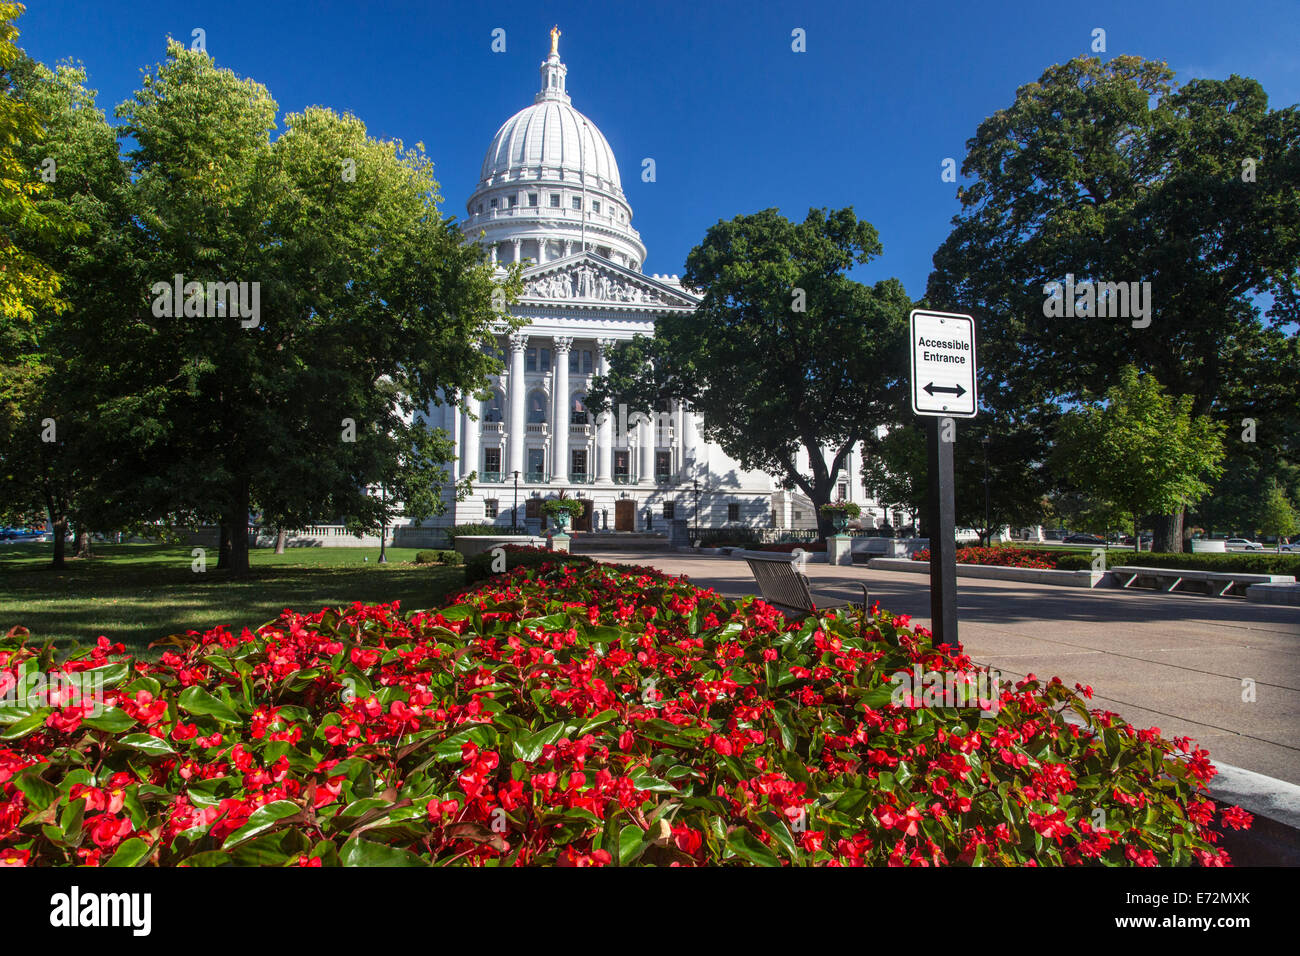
1173	661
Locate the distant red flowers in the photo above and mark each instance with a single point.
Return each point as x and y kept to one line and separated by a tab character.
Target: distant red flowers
1003	557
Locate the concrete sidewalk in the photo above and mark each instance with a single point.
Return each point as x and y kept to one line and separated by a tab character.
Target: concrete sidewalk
1179	662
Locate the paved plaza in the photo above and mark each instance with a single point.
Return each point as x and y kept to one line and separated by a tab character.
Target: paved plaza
1173	661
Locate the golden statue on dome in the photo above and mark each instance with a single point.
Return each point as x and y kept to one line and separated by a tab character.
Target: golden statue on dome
555	40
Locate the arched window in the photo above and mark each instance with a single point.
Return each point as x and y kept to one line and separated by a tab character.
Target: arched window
492	408
578	410
536	407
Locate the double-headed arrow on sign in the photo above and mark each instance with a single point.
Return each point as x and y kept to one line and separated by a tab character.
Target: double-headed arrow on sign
931	388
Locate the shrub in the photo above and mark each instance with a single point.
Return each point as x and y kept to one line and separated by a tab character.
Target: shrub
1249	563
846	508
439	557
479	567
557	506
582	716
473	529
787	547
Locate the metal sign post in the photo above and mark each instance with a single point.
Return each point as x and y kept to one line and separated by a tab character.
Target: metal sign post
943	389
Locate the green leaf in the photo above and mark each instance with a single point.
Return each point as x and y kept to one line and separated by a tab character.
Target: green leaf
33	721
133	852
261	820
39	793
747	846
113	720
147	744
528	747
198	701
631	844
359	852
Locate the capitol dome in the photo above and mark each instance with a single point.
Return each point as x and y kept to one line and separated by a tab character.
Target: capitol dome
549	186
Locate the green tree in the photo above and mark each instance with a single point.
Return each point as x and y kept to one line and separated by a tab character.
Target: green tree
785	353
1140	448
1277	515
55	446
26	280
371	305
895	473
1109	172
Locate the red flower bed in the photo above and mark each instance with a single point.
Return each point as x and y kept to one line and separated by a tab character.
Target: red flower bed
580	716
1041	559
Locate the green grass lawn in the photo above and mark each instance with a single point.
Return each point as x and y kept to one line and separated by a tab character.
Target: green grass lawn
138	593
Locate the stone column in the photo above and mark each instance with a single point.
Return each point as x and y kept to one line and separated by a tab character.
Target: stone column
560	420
568	247
518	243
645	436
690	437
457	438
605	429
679	417
518	342
469	432
494	255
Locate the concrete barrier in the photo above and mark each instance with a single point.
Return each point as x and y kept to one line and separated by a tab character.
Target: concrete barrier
469	545
1072	579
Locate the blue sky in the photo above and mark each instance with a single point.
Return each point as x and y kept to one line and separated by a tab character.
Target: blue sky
735	120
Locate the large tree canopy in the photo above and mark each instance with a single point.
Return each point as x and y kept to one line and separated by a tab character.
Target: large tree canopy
786	352
1109	172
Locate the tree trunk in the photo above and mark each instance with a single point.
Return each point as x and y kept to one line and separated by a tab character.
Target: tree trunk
237	519
81	544
223	545
59	527
281	540
1168	533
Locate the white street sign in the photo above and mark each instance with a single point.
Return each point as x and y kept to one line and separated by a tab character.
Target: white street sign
943	364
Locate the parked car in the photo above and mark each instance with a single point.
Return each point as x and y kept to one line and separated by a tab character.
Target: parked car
1292	545
1243	544
1083	539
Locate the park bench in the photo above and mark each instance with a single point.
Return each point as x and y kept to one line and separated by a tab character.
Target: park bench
1217	583
782	584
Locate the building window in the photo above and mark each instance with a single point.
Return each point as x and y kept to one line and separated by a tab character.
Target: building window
580	361
843	491
798	515
510	202
578	464
536	408
490	508
536	464
479	210
537	360
577	202
663	464
578	411
493	203
595	205
586	362
493	411
621	459
733	511
532	199
491	463
670	510
555	200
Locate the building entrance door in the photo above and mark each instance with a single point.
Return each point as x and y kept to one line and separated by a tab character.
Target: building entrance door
625	515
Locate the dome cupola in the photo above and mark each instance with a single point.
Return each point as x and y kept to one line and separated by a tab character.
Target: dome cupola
549	185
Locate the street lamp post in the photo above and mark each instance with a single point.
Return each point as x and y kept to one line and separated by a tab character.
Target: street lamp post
987	530
695	482
514	515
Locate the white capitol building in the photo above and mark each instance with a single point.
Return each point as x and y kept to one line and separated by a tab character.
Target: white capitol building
550	196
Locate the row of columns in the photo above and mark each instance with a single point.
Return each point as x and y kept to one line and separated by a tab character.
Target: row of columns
542	244
466	430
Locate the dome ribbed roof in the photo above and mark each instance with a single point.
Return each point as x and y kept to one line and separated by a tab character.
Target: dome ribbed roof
551	135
